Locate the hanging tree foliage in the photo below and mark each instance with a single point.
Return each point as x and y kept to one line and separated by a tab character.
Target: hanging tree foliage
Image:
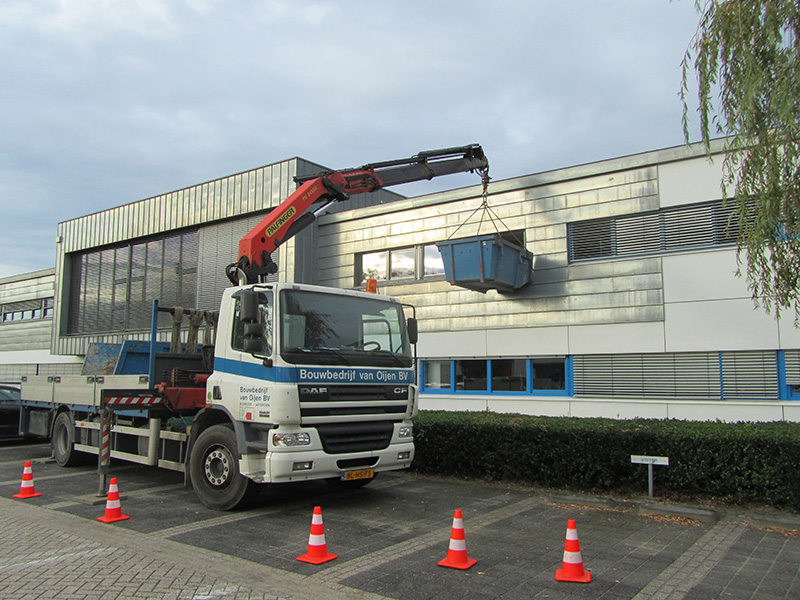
747	61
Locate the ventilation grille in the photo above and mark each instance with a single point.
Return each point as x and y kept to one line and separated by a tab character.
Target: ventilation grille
668	230
711	375
355	437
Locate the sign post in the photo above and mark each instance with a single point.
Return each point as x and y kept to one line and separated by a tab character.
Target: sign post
649	461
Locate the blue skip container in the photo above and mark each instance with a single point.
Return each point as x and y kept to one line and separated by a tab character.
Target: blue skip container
486	262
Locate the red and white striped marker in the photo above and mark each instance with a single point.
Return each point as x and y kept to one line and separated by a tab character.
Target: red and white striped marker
317	548
113	506
457	553
133	400
26	489
572	564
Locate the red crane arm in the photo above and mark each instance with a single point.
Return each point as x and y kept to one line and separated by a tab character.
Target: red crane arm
317	192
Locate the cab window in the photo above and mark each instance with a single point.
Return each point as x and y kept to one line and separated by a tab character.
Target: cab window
265	305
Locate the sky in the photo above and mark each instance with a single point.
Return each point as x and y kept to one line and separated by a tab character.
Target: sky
106	102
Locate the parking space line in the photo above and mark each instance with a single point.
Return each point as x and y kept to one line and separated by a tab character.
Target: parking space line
60	505
212	522
343	570
38	478
689	569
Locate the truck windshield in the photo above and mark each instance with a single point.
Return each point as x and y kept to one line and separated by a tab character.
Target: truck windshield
320	328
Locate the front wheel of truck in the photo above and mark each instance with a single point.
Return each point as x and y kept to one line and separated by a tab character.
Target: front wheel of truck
214	469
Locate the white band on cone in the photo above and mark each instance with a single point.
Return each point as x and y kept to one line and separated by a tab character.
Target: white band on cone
459	545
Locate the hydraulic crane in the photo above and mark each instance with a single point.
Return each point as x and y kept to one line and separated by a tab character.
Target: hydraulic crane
302	382
317	192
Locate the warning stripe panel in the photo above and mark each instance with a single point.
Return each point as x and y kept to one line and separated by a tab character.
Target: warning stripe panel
132	398
137	400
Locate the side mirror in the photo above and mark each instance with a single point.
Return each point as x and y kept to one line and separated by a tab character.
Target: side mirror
253	338
413	332
249	306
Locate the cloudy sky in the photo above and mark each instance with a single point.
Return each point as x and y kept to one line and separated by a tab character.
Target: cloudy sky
104	102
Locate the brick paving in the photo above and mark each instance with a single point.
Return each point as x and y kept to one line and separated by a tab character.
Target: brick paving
389	537
45	554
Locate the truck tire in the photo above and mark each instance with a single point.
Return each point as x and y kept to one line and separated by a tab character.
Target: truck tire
214	469
62	441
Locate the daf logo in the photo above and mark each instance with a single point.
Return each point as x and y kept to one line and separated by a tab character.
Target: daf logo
316	390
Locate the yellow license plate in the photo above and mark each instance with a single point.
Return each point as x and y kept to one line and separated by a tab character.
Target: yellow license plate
360	474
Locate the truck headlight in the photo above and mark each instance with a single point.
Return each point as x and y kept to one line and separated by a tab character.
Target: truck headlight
291	439
406	431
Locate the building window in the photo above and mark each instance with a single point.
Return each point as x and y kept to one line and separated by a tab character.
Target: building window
113	289
522	376
549	374
437	375
265	304
668	230
26	310
432	264
389	265
403	263
472	375
509	375
375	265
410	263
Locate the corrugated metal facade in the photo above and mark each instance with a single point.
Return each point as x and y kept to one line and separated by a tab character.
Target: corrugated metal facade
26	306
633	302
562	294
25	292
221	211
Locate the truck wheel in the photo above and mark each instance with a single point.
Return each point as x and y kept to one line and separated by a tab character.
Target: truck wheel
63	441
214	469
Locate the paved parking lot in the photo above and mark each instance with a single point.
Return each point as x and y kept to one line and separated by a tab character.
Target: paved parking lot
389	537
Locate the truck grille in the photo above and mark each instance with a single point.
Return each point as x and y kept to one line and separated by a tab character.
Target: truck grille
320	403
339	438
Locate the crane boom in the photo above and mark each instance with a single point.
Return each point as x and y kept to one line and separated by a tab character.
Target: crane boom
316	192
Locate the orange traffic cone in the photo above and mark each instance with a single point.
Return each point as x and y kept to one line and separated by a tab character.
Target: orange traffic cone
113	506
572	565
26	489
317	548
457	553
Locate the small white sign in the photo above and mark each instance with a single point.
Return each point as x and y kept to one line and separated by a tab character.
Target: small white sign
649	460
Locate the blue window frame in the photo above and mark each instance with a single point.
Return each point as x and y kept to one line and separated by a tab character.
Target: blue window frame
788	376
550	376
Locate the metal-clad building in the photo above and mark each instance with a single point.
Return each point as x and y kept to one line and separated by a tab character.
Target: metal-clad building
634	309
174	247
26	323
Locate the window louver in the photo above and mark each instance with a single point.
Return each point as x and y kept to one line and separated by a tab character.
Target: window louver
668	230
113	289
711	375
749	375
792	361
683	375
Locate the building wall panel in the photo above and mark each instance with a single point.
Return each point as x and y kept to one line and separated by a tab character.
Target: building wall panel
686	277
723	324
689	181
561	294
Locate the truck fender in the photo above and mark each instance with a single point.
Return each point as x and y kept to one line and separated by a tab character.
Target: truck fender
204	419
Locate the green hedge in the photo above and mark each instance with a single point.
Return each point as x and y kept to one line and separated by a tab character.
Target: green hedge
734	463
